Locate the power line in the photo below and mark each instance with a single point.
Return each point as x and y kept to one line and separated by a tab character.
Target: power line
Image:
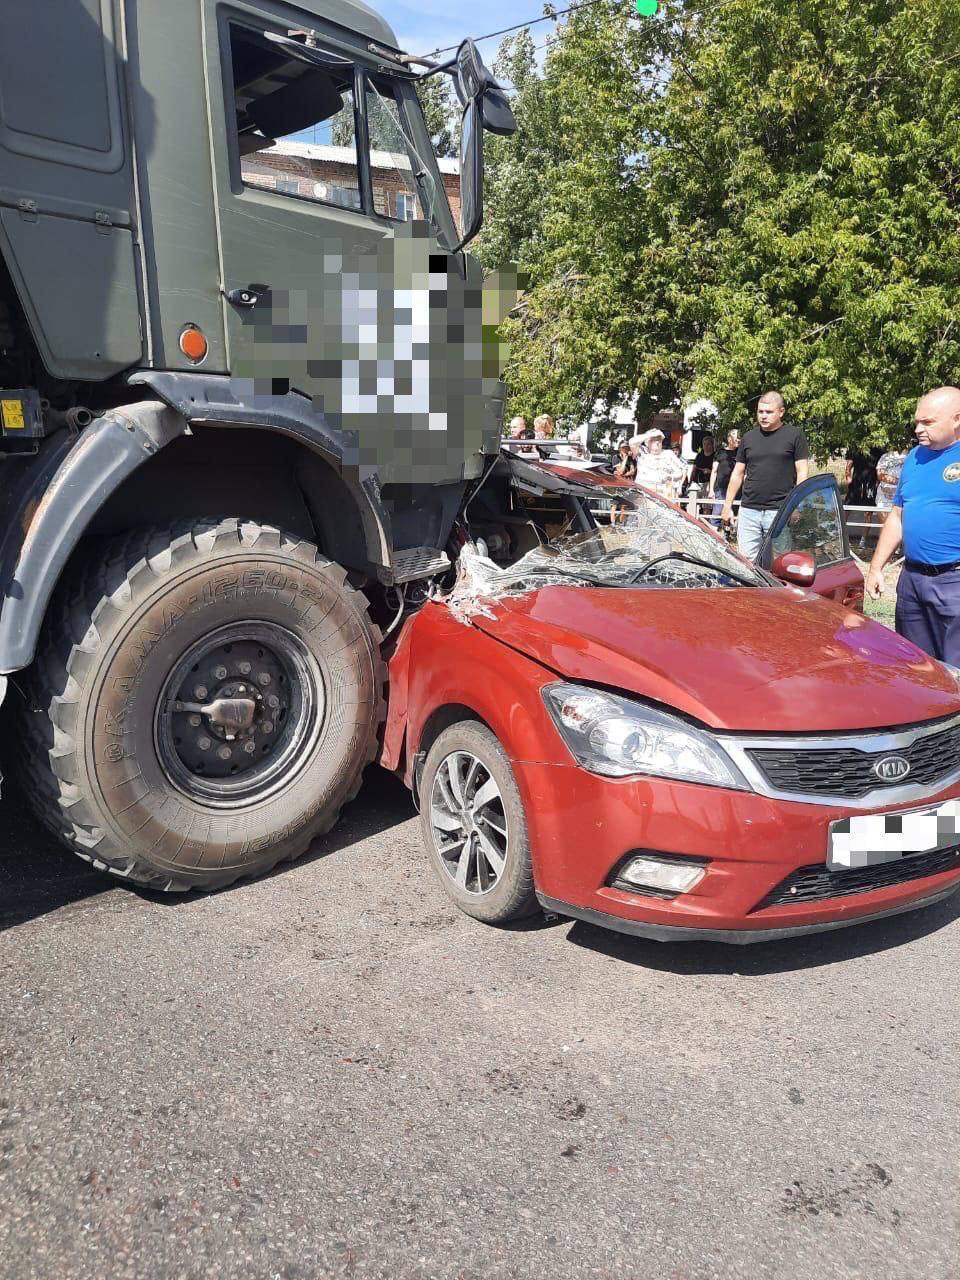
547	17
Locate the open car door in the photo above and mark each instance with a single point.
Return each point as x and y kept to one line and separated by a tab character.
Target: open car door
811	519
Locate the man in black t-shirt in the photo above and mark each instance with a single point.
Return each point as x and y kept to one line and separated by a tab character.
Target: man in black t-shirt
772	459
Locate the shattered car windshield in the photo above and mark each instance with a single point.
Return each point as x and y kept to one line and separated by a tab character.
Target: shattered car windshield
653	547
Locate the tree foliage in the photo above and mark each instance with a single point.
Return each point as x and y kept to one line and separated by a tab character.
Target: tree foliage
737	195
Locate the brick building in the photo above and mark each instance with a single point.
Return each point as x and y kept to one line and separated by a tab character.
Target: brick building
322	172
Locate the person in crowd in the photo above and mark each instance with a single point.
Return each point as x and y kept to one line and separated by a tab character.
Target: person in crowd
925	517
659	469
861	482
544	429
626	469
724	461
702	466
772	458
889	468
518	438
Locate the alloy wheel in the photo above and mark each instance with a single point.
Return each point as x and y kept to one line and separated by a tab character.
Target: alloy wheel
469	823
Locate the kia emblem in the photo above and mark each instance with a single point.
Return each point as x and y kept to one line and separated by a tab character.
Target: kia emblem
891	768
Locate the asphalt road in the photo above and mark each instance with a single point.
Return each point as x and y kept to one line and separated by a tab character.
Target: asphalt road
332	1073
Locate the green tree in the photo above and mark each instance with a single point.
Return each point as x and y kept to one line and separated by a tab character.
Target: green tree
746	194
440	112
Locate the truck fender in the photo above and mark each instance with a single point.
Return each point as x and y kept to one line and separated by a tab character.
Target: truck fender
219	400
52	509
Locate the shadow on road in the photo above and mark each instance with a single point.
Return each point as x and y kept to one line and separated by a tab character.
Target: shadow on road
38	876
810	952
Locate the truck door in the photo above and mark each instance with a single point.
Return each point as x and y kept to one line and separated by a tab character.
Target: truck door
811	519
333	259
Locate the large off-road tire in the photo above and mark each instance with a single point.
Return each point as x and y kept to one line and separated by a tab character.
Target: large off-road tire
118	760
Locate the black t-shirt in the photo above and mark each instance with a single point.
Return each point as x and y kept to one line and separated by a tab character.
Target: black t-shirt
702	466
769	457
726	460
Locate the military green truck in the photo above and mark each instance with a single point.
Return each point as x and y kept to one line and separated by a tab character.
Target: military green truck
246	381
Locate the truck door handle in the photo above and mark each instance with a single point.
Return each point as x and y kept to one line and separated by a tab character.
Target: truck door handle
247	295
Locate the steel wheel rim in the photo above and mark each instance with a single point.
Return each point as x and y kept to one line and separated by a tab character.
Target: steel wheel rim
468	822
290	714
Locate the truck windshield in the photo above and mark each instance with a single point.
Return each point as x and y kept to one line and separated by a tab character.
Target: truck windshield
405	175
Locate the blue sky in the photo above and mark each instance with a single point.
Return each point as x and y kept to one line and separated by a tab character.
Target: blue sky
429	24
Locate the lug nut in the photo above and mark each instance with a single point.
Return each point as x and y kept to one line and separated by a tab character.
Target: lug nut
263	677
224	753
195	722
204	744
249	748
220	673
273	701
200	691
243	668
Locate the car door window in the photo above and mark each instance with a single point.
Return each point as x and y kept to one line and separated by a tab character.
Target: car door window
813	525
295	123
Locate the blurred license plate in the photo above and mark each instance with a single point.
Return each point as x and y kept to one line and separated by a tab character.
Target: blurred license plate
874	838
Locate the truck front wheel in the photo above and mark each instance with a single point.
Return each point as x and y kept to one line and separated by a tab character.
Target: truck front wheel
203	704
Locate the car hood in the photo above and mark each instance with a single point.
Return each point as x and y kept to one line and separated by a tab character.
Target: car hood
775	660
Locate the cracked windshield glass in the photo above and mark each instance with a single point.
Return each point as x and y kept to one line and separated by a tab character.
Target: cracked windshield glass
403	179
646	544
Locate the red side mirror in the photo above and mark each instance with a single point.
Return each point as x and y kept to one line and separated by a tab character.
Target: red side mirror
796	567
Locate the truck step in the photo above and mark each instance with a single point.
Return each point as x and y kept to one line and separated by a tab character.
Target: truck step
419	562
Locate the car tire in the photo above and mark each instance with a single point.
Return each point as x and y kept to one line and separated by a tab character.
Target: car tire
178	799
498	825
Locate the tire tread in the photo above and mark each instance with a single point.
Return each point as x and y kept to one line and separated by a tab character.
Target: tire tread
71	640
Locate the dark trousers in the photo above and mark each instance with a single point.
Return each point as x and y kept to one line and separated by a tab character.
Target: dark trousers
928	613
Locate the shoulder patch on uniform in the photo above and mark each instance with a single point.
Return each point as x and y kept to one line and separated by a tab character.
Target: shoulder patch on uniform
952	473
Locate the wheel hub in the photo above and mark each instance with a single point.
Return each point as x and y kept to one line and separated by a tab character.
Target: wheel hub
469	823
238	704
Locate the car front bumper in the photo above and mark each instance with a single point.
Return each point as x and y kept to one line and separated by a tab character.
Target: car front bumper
581	827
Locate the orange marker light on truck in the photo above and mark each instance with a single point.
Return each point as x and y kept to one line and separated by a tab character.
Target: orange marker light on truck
193	344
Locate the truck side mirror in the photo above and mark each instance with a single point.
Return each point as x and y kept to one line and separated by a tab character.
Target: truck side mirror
485	107
471	173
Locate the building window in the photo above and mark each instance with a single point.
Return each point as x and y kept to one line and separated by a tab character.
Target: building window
406	206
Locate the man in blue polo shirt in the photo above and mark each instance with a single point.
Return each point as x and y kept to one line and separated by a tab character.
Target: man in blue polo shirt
925	516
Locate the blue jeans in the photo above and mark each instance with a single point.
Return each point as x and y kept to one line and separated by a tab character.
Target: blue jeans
928	613
752	528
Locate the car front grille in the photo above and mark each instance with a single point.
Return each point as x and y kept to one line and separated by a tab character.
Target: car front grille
845	771
814	884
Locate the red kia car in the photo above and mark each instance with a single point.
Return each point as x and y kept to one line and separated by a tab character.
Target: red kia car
629	724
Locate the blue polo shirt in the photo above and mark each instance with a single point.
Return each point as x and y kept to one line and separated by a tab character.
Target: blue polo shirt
929	493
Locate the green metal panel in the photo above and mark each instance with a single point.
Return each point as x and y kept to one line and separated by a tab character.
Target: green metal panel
175	184
79	288
66	183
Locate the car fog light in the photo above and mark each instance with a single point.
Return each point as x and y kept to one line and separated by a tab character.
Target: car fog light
658	873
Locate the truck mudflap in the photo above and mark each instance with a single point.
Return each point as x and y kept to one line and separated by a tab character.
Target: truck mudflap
69	482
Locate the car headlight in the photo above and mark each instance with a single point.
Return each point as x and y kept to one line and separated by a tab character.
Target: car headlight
613	736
